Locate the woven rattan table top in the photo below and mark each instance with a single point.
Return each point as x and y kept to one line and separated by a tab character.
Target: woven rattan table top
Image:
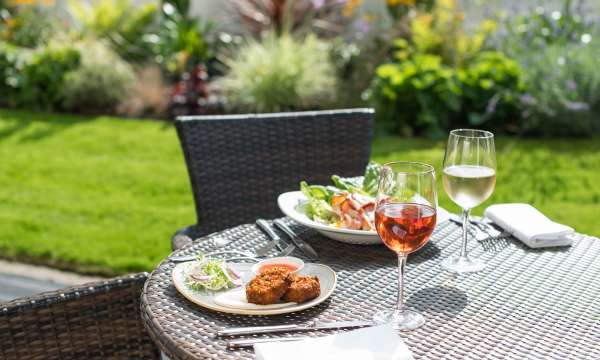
527	304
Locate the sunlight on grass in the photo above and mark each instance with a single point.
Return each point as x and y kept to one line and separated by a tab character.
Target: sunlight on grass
104	195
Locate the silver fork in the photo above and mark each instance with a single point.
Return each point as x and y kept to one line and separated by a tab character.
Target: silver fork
479	234
483	230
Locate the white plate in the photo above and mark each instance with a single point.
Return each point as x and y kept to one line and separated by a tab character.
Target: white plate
291	204
327	279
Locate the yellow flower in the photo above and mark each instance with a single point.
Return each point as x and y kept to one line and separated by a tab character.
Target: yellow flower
368	18
350	6
401	2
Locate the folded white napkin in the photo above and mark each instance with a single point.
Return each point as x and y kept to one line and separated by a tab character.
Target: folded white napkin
372	343
529	225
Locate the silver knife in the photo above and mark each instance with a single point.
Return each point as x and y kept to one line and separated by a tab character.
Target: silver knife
264	226
313	325
244	343
301	244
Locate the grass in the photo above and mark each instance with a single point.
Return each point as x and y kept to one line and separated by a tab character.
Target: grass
103	195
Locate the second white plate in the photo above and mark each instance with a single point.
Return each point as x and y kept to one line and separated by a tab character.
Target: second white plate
291	204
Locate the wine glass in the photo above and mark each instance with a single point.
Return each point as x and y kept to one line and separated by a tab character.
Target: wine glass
405	216
469	178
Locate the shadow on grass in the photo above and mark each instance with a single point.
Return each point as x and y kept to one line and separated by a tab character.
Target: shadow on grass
36	125
39	125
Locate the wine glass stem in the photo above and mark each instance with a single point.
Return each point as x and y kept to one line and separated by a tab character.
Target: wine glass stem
401	267
465	227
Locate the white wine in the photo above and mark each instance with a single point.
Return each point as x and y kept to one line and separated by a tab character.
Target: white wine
468	185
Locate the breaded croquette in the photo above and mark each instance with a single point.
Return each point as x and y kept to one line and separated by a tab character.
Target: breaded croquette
268	287
302	288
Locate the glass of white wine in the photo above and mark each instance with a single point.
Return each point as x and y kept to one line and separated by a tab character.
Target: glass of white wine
469	179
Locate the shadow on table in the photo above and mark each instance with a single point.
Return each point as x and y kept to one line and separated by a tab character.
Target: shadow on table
440	300
428	252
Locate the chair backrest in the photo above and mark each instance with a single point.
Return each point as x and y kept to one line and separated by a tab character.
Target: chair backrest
239	164
98	320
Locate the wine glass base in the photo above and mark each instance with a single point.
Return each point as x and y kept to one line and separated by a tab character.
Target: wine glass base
461	265
402	320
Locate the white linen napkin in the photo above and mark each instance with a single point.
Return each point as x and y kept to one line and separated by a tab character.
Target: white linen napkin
529	225
372	343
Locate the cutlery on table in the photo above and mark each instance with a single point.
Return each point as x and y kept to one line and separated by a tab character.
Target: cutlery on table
483	230
267	229
245	343
257	254
300	243
313	325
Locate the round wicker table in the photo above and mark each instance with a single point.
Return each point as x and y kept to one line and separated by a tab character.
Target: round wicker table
526	304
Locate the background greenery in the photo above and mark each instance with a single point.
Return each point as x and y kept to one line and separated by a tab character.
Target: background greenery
427	66
103	195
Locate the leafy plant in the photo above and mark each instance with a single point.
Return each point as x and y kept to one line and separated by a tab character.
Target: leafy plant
563	90
30	26
558	50
193	95
281	73
401	8
261	17
120	22
100	83
442	33
542	27
42	77
181	42
419	95
491	88
12	60
440	78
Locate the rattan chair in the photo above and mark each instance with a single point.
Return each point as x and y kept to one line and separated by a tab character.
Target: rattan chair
98	320
239	164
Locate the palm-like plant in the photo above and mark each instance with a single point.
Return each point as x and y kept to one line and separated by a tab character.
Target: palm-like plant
323	17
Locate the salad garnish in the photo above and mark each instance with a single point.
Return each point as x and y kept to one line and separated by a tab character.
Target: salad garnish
349	203
211	274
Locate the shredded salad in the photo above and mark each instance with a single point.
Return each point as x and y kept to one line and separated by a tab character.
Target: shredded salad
211	274
348	203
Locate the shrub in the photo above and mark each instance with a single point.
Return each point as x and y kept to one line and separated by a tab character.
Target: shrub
558	50
181	42
120	22
12	60
100	83
30	26
148	96
563	90
325	18
281	73
492	85
417	95
440	78
42	77
542	27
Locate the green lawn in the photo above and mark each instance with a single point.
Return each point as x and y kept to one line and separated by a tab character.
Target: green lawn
103	195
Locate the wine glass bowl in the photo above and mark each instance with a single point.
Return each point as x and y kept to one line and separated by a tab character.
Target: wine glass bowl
405	216
469	178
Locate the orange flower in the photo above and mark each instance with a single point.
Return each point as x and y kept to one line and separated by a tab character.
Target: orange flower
350	6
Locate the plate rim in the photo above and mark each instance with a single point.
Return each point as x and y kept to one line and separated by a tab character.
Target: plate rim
285	310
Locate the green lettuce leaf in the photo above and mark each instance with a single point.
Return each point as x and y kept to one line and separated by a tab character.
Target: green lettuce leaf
371	178
318	207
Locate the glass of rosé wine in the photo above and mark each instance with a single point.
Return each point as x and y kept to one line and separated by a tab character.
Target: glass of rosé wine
405	216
